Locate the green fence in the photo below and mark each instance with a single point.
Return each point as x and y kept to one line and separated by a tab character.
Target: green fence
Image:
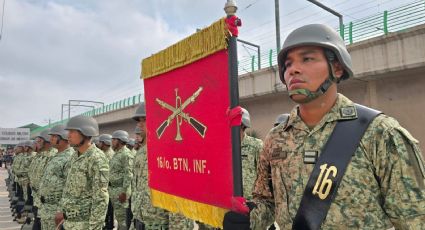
395	20
130	101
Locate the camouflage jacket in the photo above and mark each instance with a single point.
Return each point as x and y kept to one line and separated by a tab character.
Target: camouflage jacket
121	171
109	153
382	187
24	166
53	181
250	150
85	195
141	198
17	163
38	165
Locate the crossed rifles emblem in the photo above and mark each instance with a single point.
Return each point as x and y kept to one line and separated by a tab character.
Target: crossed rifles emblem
179	115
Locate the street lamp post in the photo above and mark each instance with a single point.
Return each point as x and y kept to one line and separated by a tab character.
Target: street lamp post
341	22
70	101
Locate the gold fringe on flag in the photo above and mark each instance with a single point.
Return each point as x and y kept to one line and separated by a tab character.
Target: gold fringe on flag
205	213
199	45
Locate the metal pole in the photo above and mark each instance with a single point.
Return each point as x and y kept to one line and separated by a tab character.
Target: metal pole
62	112
256	46
341	22
277	20
69	109
230	8
236	130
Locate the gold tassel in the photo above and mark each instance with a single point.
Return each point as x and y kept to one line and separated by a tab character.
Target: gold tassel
199	45
205	213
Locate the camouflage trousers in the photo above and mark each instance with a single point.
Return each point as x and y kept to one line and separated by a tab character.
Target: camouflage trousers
120	214
76	225
48	224
179	222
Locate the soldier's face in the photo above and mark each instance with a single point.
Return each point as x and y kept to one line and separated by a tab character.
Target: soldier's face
74	137
39	142
142	125
54	139
306	67
115	143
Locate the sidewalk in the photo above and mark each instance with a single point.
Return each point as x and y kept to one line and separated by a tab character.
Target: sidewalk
6	218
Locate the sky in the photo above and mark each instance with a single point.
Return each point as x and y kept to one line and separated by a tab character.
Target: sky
52	51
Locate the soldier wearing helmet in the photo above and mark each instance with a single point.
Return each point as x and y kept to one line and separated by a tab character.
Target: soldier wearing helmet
120	177
138	140
85	194
383	184
54	177
105	143
36	170
250	150
281	118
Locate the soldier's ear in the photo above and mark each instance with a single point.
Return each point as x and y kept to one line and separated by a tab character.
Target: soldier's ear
338	69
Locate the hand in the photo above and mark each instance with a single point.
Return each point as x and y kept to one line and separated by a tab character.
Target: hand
58	218
233	220
122	197
239	205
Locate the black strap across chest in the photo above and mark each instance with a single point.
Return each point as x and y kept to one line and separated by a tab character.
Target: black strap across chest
329	169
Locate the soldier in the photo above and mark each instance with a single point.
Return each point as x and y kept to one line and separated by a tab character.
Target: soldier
281	118
146	216
38	164
85	194
105	142
138	139
383	185
120	176
130	145
18	201
53	180
96	142
25	164
250	151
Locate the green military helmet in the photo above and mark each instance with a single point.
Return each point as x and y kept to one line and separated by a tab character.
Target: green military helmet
45	135
246	119
29	144
137	130
281	118
95	140
60	131
86	125
121	135
106	139
20	144
316	35
131	142
140	112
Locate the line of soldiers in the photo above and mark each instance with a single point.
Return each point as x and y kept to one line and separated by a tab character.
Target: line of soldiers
63	181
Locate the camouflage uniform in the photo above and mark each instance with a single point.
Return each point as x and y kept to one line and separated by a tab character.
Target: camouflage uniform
250	150
120	177
383	185
179	222
109	153
153	218
36	171
51	187
85	195
23	171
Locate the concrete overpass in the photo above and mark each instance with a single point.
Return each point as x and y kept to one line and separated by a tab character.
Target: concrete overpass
389	76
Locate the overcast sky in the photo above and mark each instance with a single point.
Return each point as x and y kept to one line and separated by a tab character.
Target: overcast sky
52	51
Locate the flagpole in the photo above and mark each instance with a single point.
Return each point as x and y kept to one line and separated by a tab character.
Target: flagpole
230	9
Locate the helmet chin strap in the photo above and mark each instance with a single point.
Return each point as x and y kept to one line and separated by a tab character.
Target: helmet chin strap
330	57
